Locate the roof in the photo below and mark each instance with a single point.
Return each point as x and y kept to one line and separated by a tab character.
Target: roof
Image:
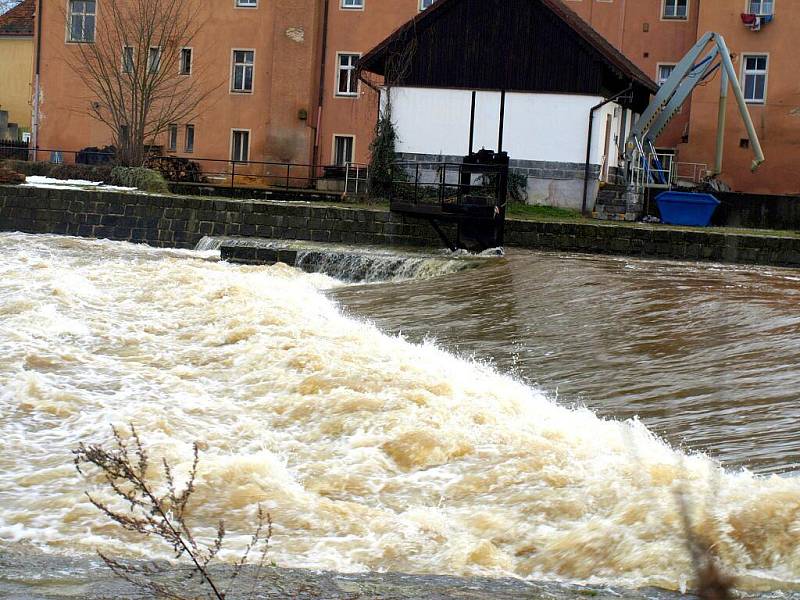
373	60
18	22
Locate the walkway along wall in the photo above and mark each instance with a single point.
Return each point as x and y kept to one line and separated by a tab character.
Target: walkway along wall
180	222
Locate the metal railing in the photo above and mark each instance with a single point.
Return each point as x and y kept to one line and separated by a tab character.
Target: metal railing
213	171
450	186
13	150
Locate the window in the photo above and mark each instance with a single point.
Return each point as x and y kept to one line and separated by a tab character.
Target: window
347	82
172	138
676	9
247	3
186	61
243	70
423	4
189	135
127	59
760	7
353	4
240	145
81	20
343	149
664	71
755	78
154	60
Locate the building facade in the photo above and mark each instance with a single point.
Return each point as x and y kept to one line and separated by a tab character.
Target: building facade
304	103
16	66
762	53
257	59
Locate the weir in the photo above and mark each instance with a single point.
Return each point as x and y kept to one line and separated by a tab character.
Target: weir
367	265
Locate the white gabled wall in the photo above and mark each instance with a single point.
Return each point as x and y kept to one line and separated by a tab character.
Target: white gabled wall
541	127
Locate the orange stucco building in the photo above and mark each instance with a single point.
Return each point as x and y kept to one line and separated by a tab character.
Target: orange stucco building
306	105
764	59
260	59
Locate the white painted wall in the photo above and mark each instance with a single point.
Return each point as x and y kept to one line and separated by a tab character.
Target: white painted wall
547	127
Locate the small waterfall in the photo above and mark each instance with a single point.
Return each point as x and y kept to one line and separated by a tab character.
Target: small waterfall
209	242
371	268
347	264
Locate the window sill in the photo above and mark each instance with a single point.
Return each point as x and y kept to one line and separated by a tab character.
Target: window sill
341	95
242	92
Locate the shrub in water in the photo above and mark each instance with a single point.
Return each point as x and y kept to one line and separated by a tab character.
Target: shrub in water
139	177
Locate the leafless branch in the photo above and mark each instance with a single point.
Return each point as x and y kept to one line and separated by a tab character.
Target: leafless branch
124	469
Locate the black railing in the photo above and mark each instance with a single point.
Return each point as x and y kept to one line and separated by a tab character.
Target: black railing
13	150
183	169
449	187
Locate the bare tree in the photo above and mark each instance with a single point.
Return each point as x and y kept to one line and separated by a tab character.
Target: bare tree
135	70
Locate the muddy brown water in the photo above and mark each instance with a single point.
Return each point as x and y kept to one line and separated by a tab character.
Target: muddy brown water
495	438
708	356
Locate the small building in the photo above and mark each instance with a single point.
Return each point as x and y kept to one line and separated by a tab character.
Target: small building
534	61
16	69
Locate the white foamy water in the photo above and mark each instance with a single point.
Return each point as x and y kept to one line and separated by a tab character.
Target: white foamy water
369	452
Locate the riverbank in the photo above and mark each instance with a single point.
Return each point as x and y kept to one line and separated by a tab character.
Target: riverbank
181	221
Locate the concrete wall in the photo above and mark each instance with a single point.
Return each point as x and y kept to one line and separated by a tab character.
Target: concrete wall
180	222
543	127
545	136
16	69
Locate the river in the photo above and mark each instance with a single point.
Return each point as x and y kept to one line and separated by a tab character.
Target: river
534	417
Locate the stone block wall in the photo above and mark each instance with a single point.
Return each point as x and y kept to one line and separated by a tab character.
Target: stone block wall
180	222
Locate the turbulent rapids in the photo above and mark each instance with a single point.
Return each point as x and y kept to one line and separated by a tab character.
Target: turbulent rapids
371	453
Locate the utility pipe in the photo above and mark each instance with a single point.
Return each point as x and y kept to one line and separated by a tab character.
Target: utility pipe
748	120
36	82
589	141
723	106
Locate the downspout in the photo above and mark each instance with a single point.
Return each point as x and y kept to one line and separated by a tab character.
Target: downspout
321	98
594	109
36	84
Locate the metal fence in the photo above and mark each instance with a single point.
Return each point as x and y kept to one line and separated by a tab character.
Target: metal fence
13	150
449	186
350	179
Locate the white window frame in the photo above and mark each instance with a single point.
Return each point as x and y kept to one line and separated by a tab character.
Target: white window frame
71	15
245	3
749	7
351	70
745	72
675	16
658	72
186	147
252	66
172	137
351	4
191	61
233	139
425	4
352	147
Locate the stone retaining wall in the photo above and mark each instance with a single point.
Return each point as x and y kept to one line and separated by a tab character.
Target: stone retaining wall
180	222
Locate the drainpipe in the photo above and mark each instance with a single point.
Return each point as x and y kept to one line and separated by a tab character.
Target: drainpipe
594	109
315	158
723	105
36	85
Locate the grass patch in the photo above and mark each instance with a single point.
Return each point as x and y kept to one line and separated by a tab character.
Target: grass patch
537	212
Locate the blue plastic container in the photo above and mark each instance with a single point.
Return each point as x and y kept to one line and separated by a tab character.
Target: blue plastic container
685	208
